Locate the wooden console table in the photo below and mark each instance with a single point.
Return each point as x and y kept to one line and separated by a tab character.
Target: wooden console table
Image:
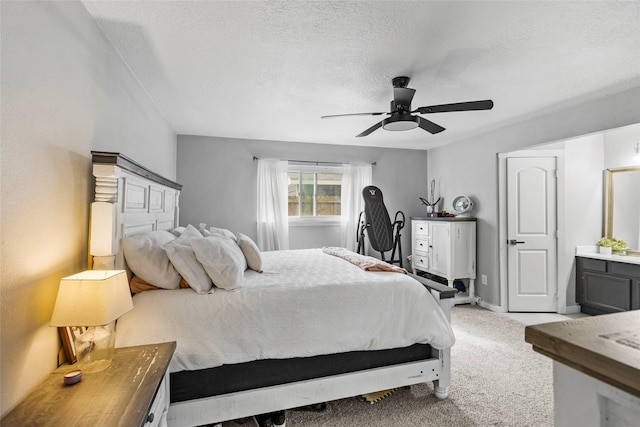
603	353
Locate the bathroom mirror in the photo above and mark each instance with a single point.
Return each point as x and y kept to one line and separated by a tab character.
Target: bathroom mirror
622	206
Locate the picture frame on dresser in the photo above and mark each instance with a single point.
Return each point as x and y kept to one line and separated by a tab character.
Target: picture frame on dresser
68	335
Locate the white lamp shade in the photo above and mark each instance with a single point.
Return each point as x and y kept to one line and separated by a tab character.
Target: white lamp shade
92	298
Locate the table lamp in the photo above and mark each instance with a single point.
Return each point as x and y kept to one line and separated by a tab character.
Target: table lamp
93	298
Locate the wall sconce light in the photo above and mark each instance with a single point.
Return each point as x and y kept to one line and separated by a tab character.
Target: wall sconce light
636	158
93	298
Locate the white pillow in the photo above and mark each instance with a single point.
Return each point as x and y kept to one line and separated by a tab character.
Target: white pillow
215	231
184	260
177	231
203	229
222	259
187	234
147	260
251	252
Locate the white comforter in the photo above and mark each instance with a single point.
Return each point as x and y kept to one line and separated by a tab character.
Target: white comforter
305	303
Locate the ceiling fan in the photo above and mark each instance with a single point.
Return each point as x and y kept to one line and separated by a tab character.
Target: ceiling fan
401	117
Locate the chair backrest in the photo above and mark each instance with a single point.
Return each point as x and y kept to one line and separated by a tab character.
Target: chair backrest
379	227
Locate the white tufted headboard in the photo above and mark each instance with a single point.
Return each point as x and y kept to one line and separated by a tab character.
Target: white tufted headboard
129	199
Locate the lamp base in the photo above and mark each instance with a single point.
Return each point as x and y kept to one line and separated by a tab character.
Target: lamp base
95	348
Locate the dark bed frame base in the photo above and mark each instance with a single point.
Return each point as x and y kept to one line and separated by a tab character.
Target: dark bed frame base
188	385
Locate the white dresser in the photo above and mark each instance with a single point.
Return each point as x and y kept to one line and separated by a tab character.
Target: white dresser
446	247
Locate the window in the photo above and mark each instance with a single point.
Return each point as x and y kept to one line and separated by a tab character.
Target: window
314	192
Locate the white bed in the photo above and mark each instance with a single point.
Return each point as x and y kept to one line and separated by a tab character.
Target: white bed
305	306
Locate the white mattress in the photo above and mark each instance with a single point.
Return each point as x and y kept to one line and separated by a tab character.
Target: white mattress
305	303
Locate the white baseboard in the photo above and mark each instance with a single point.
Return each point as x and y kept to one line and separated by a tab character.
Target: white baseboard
496	308
572	309
458	300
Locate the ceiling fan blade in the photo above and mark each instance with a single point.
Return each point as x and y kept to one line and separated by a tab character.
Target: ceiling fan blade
352	114
429	126
371	129
402	97
486	104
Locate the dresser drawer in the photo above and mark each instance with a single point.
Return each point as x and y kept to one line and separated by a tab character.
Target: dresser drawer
622	269
594	264
157	415
420	261
421	245
421	228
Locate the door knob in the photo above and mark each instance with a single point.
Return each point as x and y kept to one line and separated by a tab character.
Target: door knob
514	242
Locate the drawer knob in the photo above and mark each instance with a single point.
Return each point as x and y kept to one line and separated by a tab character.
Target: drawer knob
150	417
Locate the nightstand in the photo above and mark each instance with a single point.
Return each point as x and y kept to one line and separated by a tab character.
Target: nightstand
133	391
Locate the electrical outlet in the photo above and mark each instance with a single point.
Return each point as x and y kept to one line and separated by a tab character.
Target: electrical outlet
484	279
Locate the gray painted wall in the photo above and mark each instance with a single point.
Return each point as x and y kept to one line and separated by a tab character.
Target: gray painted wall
583	209
219	178
65	92
475	173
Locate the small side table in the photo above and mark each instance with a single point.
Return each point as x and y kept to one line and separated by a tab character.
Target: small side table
133	391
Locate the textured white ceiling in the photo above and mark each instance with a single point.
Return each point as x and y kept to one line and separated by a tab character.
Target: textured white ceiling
269	70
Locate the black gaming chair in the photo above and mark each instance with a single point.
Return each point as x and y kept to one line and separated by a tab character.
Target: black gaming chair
383	235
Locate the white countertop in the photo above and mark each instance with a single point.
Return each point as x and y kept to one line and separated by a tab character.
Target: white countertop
592	252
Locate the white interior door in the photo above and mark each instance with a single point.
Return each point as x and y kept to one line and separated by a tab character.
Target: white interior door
532	234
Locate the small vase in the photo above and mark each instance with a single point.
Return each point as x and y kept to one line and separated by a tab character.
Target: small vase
429	209
605	250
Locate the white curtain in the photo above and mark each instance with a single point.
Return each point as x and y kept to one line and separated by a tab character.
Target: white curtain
354	178
273	225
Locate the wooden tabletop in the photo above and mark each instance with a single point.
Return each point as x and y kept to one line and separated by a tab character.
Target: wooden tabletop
606	347
120	395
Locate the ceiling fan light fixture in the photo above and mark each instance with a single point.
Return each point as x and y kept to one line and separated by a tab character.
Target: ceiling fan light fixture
401	116
400	122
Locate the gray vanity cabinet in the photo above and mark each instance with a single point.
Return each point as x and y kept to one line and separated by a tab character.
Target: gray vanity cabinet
604	286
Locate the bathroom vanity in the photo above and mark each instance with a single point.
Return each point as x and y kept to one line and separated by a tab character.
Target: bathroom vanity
607	283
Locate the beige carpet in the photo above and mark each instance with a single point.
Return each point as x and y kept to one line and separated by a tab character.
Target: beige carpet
497	380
